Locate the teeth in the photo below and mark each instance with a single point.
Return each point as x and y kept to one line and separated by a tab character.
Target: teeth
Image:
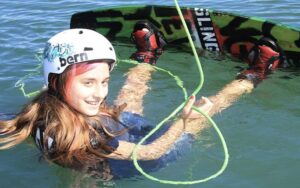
93	102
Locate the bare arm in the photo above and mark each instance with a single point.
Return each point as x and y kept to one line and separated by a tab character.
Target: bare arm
133	92
151	151
135	88
222	100
164	143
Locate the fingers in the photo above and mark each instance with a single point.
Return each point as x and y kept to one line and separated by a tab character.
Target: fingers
188	107
206	100
205	104
191	101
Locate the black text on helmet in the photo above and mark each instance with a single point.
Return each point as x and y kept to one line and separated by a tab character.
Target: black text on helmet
73	59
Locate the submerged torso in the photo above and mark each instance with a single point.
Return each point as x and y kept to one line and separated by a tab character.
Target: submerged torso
139	127
133	127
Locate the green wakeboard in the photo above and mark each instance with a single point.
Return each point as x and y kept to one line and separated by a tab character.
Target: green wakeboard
210	30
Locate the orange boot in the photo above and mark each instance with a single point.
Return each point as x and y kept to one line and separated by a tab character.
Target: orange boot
263	58
149	42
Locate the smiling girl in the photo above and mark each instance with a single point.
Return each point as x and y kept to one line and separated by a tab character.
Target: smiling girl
70	121
73	126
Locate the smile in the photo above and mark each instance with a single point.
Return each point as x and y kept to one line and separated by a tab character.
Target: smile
92	102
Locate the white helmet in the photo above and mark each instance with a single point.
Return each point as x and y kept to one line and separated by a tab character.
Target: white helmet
76	46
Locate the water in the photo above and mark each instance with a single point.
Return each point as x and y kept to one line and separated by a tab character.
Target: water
261	129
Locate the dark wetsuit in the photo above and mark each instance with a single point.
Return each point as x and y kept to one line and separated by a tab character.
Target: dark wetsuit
138	127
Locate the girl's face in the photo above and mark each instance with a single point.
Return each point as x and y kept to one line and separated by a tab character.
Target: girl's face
88	90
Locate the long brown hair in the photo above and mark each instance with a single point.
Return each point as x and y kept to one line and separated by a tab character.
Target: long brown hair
69	128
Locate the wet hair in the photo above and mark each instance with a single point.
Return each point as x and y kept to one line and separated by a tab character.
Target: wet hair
70	129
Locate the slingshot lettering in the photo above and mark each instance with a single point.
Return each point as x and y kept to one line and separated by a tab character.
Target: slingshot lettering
73	59
206	31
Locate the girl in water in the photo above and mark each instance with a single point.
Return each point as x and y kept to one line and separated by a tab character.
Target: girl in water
72	124
70	121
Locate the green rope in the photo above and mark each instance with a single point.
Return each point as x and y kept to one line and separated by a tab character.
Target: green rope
226	155
179	82
36	71
20	83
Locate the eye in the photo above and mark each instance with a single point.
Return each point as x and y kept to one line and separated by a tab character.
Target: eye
88	83
105	82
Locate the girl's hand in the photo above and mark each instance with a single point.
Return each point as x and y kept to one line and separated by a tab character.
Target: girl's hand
204	104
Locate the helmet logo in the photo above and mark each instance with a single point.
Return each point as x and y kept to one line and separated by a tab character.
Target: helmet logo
65	53
81	57
59	50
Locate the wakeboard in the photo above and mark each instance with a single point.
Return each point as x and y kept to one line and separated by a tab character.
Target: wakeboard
210	29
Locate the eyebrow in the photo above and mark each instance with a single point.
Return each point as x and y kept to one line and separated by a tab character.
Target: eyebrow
107	78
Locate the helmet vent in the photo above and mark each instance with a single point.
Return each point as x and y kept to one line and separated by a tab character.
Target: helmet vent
80	32
88	49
